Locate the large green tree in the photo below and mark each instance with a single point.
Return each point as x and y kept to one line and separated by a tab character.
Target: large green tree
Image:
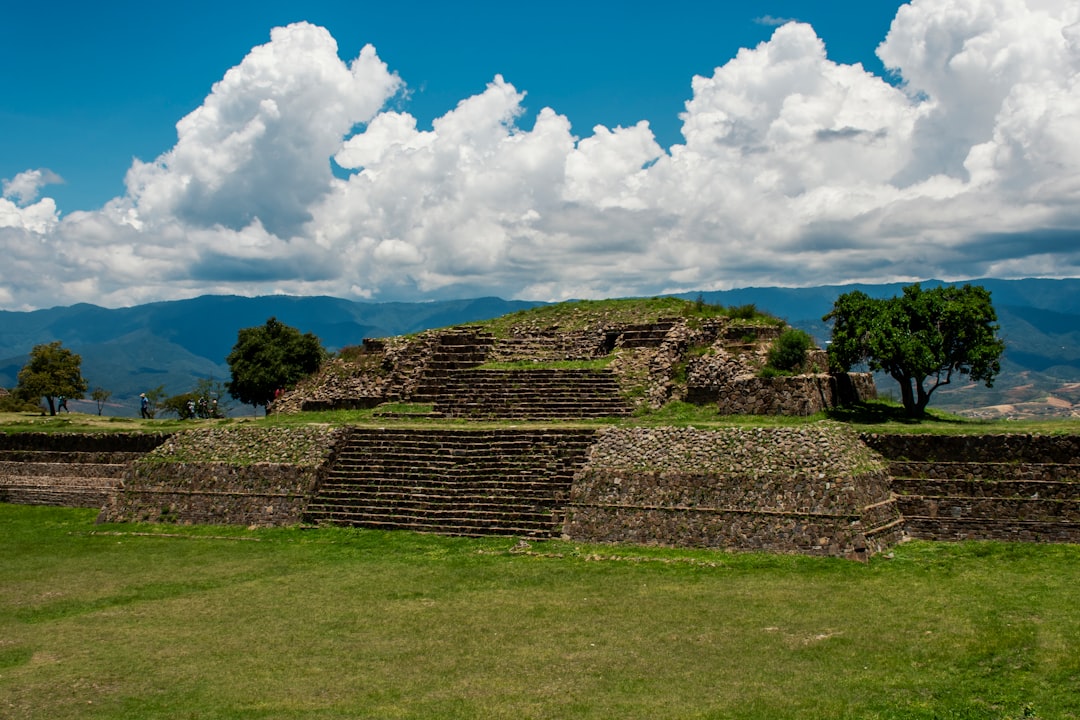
920	339
52	371
268	358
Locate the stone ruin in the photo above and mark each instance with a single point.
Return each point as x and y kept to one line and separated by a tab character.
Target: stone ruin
470	372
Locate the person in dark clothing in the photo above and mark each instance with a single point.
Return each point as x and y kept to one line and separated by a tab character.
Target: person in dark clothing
144	405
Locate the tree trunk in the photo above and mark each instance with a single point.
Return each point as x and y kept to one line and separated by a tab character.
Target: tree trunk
907	396
52	405
923	399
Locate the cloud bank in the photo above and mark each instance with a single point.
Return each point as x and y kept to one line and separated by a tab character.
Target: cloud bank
794	170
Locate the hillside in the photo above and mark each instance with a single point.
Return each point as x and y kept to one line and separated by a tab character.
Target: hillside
174	344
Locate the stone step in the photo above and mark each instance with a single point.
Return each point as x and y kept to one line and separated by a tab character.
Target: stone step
463	477
52	494
429	495
1018	509
10	469
61	456
1034	489
958	529
444	526
1013	471
492	512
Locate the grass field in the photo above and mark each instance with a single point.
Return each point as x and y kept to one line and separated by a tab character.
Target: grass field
111	621
881	417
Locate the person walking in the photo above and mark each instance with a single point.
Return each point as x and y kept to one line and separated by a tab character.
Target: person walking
144	405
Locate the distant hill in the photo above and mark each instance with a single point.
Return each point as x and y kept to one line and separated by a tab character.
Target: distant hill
128	350
174	344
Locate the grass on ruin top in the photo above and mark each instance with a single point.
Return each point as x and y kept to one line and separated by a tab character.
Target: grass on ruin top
577	315
149	621
880	417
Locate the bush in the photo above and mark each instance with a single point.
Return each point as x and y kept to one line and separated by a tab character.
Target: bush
743	312
788	353
13	402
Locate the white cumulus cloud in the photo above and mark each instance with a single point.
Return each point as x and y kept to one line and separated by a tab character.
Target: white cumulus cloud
794	170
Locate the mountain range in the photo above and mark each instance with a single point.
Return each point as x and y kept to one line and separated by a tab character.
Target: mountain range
175	344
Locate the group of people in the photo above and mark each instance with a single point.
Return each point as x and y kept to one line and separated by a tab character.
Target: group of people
201	409
204	407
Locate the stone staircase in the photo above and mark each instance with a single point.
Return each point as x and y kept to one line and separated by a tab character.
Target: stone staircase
639	336
70	470
541	394
453	350
454	482
1008	487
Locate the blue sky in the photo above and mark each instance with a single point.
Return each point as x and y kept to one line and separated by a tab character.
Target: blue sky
99	84
784	163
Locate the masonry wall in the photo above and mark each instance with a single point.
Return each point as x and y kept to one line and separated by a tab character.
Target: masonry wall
1000	448
1018	488
212	494
814	490
67	469
228	476
792	395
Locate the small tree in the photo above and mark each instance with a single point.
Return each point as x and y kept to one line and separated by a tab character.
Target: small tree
920	338
100	397
268	358
788	353
52	371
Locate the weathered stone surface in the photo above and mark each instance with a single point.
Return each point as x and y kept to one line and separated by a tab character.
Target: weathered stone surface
212	493
814	489
819	489
989	487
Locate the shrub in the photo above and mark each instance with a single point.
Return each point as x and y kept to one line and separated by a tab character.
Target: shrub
788	353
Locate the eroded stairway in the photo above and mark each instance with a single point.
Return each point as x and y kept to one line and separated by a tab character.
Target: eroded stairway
457	482
67	469
1001	487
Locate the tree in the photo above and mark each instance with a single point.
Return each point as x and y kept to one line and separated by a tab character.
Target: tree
51	372
154	398
920	338
100	396
268	358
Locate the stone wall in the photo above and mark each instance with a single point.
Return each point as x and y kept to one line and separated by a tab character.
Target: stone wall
212	494
228	476
1000	448
790	395
82	442
67	469
1021	488
814	490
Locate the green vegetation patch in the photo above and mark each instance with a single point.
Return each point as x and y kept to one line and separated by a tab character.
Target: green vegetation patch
307	446
125	621
579	315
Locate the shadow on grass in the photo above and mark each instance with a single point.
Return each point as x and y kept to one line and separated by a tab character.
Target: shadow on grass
879	413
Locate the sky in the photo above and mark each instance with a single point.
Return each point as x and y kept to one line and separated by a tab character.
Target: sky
543	152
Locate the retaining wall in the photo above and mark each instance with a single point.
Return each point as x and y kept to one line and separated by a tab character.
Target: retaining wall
790	395
212	494
1023	488
234	476
814	490
67	469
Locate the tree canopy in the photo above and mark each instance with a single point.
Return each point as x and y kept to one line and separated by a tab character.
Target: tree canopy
270	357
52	371
920	339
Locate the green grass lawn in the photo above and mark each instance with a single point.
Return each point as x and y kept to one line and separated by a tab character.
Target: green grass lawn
111	621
